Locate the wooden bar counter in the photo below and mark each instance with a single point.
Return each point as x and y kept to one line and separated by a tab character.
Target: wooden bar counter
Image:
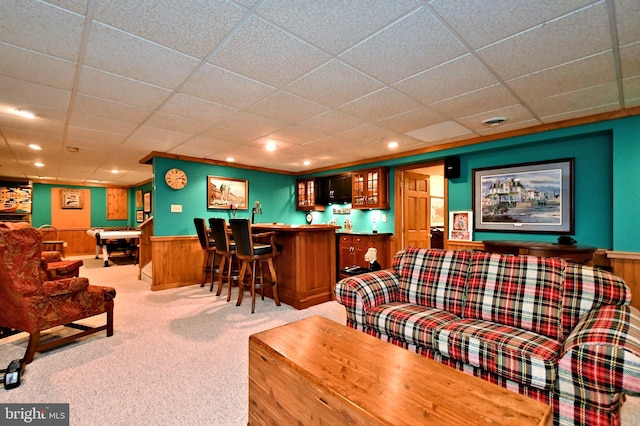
306	267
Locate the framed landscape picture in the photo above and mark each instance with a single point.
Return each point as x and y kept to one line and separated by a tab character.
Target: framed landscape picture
529	197
227	193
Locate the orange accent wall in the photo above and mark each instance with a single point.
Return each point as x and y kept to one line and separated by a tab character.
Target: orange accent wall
70	218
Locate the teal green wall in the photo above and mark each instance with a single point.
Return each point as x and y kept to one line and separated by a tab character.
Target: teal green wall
276	193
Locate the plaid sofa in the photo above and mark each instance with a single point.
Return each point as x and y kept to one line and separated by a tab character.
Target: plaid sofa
555	331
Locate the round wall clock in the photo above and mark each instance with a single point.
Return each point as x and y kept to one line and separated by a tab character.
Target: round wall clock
309	218
175	178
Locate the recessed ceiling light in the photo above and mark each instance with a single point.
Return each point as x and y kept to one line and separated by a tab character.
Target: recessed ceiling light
495	121
35	147
115	171
393	145
38	164
73	149
306	162
271	146
24	113
231	159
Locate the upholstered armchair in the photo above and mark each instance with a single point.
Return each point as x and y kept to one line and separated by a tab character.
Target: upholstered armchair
33	303
58	268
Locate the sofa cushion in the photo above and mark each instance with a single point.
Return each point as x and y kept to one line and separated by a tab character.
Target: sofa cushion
433	278
412	324
520	291
515	354
586	288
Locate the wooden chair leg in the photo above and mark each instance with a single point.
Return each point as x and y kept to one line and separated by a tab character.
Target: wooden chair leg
223	261
274	281
229	279
110	323
253	286
34	338
243	269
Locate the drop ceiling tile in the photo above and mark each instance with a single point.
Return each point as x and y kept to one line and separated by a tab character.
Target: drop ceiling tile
174	24
49	122
148	143
285	107
461	75
338	147
367	134
487	99
41	27
78	6
177	124
631	87
35	67
101	123
124	54
480	22
575	36
20	138
591	71
333	84
409	46
297	134
440	132
101	84
253	123
206	148
514	113
630	60
333	121
81	137
162	136
332	25
264	53
109	109
196	109
379	105
24	93
226	88
627	19
412	120
600	98
230	135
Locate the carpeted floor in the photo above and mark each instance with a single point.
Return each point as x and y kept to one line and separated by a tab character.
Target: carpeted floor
177	357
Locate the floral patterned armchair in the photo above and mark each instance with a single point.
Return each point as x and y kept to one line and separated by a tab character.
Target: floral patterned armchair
32	302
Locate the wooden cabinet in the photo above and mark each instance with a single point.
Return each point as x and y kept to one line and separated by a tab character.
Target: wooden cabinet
370	189
306	192
352	248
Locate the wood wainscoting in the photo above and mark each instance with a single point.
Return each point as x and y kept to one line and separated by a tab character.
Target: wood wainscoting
77	241
176	261
627	266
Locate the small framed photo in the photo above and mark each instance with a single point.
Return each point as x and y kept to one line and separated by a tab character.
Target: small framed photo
139	216
461	225
147	202
139	198
71	199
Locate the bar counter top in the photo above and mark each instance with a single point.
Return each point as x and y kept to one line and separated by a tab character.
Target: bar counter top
294	228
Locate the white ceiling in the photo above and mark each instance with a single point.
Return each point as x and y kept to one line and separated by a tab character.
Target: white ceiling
330	81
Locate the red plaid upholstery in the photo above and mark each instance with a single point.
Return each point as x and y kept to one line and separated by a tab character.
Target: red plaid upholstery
408	322
434	278
521	291
585	288
515	354
557	332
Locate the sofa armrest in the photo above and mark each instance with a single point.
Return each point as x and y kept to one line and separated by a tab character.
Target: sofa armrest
602	353
64	286
51	256
360	293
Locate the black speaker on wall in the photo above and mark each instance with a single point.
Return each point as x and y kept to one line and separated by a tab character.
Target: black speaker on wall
452	167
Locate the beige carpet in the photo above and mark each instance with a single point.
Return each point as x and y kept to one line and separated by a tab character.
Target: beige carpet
177	357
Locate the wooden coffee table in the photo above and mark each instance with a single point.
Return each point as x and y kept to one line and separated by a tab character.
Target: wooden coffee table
316	371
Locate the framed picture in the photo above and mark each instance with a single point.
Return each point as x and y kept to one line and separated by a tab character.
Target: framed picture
139	216
71	199
139	198
147	202
227	193
437	211
460	225
530	197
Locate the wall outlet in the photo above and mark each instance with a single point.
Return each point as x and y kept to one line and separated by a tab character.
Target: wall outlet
384	218
176	208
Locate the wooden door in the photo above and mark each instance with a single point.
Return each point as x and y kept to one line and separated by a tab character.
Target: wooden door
416	213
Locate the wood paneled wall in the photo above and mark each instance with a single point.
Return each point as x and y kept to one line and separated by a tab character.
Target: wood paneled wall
627	267
78	242
177	261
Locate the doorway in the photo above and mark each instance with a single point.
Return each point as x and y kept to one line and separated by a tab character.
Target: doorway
421	205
